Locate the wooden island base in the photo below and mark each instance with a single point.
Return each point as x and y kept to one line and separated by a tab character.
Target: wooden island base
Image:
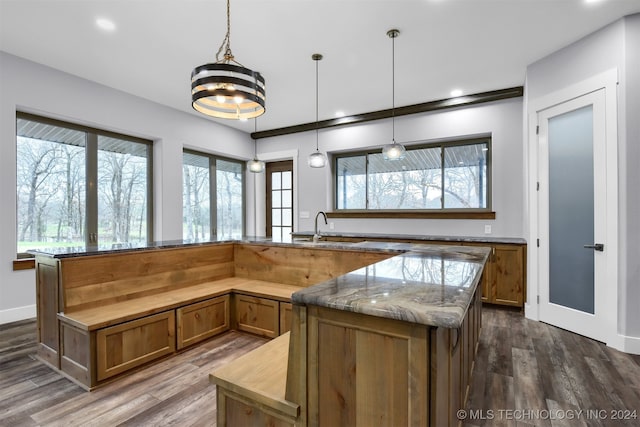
340	368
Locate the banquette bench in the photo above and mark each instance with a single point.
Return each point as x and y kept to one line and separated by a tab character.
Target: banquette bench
100	316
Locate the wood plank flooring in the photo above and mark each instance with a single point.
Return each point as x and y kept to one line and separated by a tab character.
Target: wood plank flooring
523	368
529	373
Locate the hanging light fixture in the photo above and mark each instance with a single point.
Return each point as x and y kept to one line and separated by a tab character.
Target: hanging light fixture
226	89
317	159
393	151
255	165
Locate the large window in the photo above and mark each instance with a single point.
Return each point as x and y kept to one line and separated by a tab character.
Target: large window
443	176
205	212
80	186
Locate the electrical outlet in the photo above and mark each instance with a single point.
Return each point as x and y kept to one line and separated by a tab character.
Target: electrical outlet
330	226
487	229
304	214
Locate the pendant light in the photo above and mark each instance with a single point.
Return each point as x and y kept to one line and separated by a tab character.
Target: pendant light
393	151
317	159
226	89
255	165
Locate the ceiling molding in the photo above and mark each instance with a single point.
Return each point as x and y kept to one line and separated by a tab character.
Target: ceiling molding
425	107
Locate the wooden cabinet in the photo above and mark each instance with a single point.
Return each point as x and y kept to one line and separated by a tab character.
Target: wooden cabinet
197	322
260	316
504	276
131	344
285	317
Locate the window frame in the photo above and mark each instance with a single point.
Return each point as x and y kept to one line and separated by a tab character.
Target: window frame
440	213
213	188
91	173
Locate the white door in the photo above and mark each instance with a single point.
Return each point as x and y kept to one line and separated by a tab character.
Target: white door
572	215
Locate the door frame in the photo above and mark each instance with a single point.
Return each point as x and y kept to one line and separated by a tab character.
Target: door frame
608	81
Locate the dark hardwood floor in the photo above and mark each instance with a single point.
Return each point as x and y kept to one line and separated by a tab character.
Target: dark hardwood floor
526	374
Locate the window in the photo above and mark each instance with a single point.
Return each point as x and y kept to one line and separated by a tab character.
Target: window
444	176
202	174
80	186
279	200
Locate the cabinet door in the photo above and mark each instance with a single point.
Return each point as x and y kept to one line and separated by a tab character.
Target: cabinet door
258	316
285	317
508	275
134	343
197	322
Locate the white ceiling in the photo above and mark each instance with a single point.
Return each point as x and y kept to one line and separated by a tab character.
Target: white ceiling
474	45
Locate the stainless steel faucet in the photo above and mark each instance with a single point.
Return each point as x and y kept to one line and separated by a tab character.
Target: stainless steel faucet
316	234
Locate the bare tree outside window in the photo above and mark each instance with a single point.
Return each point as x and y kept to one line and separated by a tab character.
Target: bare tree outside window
52	177
446	176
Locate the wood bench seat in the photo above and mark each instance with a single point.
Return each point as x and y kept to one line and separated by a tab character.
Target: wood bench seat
95	318
256	379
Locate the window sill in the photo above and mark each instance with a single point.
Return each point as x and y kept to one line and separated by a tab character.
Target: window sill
413	214
24	264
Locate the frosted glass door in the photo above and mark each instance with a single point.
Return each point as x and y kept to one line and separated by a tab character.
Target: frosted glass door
571	210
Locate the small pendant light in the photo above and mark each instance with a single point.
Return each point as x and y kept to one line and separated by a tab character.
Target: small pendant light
393	151
255	165
317	159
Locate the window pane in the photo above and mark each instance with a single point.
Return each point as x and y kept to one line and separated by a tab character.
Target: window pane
230	198
286	233
351	182
50	186
276	199
286	180
122	191
276	218
286	217
196	203
276	180
465	176
411	183
287	196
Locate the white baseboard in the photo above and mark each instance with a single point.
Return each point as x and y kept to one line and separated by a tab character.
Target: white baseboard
629	345
18	313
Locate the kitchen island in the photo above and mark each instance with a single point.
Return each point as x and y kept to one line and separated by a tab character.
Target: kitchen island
391	343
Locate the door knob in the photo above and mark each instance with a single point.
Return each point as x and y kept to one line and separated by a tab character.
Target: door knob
597	246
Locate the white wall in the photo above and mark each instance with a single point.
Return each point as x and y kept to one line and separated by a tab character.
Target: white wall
30	87
502	120
615	46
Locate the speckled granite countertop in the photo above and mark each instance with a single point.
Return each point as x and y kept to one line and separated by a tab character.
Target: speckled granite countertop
426	238
426	284
422	283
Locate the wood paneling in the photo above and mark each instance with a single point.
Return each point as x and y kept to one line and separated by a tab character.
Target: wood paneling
285	317
197	322
95	281
47	300
364	370
259	316
299	266
132	344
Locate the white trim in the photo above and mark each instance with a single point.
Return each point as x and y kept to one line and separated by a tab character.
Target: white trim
628	344
17	313
607	80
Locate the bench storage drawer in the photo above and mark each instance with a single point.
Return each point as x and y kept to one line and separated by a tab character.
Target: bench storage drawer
199	321
258	316
125	346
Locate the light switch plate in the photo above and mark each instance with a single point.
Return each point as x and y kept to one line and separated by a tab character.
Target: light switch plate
331	226
487	229
304	214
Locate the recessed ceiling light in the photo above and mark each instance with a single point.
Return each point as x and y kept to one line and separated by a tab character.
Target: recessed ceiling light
456	93
105	24
339	113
